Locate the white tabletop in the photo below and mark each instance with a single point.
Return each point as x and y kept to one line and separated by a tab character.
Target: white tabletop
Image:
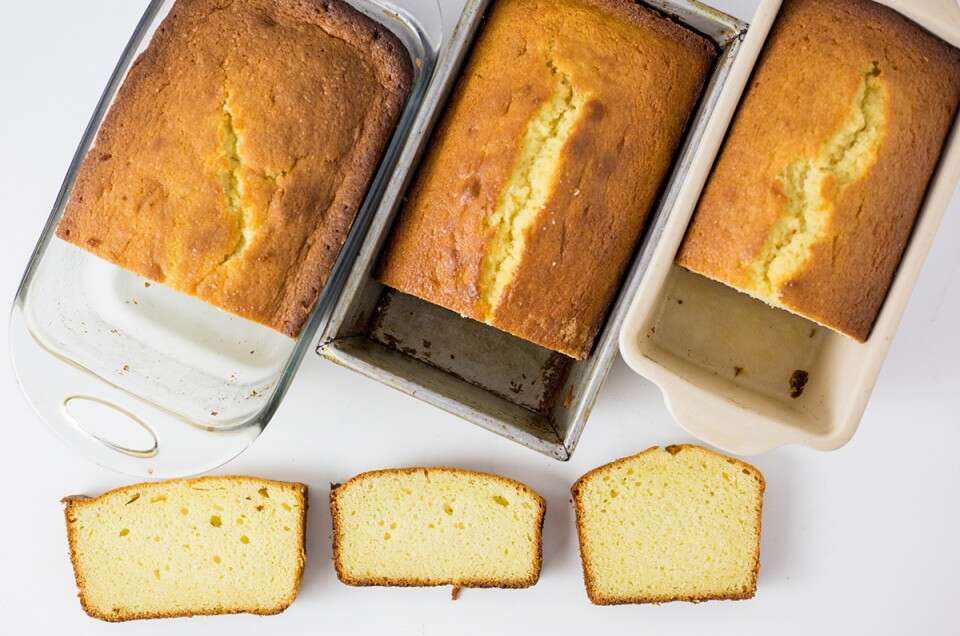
865	539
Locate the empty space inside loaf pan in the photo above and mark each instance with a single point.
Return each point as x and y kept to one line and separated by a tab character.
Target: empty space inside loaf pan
783	366
471	369
513	369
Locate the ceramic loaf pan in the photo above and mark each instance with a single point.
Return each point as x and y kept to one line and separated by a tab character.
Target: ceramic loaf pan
502	383
725	361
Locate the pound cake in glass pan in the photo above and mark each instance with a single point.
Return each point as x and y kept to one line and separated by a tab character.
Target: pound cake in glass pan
238	150
234	158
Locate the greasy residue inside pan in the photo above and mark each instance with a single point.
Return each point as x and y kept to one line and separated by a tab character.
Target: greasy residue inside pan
513	369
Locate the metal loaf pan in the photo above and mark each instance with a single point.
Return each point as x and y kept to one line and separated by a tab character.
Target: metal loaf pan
502	383
724	360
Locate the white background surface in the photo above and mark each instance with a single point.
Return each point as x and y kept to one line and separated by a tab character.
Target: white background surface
863	540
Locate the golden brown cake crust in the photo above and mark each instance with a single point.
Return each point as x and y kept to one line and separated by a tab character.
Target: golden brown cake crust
641	76
238	150
804	87
588	579
391	582
72	502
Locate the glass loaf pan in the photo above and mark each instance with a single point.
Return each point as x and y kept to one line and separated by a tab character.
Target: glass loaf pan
149	381
724	360
502	383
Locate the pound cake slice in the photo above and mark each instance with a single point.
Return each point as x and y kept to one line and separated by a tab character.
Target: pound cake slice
436	526
539	180
239	149
816	190
680	523
213	545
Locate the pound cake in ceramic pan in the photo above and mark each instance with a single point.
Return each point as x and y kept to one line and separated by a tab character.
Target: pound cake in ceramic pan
812	201
550	156
238	151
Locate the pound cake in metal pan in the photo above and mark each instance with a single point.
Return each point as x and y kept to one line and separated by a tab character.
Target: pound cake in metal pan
549	159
